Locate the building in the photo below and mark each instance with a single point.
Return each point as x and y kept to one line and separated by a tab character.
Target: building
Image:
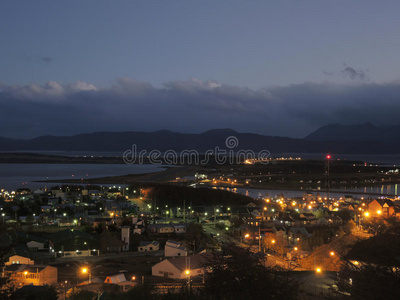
18	259
179	228
173	248
119	279
161	228
21	274
148	246
125	230
180	267
383	207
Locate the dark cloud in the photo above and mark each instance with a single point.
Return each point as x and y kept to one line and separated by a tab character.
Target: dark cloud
46	59
191	106
349	72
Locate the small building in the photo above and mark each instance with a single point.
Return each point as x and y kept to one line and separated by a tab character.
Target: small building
125	231
179	228
180	267
148	246
18	259
173	248
22	274
119	279
161	228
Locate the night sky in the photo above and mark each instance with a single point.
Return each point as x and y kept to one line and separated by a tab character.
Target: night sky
270	67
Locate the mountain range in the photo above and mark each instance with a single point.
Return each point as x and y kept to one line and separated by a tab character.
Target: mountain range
333	138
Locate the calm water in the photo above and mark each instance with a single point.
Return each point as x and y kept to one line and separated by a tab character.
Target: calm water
378	191
13	176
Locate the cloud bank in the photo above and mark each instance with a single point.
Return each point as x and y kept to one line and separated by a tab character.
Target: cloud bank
191	106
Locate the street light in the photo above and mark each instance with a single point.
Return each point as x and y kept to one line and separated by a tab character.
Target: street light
87	271
332	253
318	270
187	272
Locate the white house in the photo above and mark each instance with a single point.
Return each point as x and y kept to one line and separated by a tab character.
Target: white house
173	248
120	280
34	245
115	279
180	267
148	246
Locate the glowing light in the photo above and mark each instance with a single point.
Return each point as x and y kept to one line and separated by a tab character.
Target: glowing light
366	214
328	156
379	212
318	270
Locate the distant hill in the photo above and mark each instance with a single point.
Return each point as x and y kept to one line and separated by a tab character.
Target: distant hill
331	138
362	132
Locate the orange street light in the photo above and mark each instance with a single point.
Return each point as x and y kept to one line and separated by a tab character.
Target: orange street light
318	270
273	241
133	278
247	235
86	270
295	248
379	212
366	214
332	253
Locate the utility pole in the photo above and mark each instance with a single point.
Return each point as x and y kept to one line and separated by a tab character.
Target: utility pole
184	210
328	157
259	238
215	217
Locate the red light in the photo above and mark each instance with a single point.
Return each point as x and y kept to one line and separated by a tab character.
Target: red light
328	157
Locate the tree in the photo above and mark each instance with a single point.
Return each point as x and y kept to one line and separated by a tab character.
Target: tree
366	281
371	269
237	273
30	292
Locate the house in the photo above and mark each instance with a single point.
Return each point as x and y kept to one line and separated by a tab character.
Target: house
180	267
307	215
161	228
148	246
384	207
18	259
113	209
119	279
70	240
22	274
173	248
179	228
298	233
35	246
334	220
